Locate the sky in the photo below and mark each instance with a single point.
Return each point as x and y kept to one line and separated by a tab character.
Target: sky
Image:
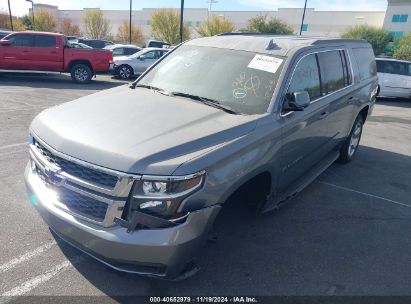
20	7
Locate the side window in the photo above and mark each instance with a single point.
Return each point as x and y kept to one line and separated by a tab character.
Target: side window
306	77
130	51
394	67
44	41
380	66
118	51
21	40
347	68
333	76
149	55
366	62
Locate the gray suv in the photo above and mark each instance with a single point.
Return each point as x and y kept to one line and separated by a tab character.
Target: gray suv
135	176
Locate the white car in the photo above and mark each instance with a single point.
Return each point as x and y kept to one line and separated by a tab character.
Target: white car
394	77
127	66
123	49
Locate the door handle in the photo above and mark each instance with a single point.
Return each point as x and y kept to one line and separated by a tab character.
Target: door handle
323	115
350	100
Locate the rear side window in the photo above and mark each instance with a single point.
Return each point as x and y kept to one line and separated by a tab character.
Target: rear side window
366	62
44	41
130	51
21	40
306	77
332	71
118	51
380	66
395	67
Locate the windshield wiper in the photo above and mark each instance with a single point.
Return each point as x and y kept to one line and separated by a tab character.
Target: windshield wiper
208	101
161	91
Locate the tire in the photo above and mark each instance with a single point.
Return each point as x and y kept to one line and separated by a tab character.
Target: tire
378	91
81	73
125	71
352	142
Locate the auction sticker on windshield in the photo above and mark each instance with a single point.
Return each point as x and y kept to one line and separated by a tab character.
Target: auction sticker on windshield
265	63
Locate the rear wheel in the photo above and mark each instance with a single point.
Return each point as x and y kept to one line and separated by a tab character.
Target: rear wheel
81	73
125	71
352	142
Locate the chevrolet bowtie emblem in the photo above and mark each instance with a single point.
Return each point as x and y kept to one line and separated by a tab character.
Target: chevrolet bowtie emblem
53	176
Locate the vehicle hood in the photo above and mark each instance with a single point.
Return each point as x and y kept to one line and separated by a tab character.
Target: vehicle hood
137	131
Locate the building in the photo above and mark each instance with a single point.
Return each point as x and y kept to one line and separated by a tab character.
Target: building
396	19
317	23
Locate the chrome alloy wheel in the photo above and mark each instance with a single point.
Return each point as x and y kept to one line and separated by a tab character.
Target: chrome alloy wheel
355	139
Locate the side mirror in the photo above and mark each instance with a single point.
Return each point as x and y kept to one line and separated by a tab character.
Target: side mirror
297	101
5	42
141	58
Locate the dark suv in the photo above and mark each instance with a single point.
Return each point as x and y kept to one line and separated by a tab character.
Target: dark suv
135	176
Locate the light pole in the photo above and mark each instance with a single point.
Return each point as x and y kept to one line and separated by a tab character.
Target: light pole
11	18
32	12
211	2
131	5
181	20
302	21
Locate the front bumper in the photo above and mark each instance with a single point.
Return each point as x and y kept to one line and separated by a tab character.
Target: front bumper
162	253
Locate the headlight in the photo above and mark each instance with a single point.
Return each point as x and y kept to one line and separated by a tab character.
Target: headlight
162	196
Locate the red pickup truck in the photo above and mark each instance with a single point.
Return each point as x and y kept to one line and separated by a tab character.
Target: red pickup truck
41	51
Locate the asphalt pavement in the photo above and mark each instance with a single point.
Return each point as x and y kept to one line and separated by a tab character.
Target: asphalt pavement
348	233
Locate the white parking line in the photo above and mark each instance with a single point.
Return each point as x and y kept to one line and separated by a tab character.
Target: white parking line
38	280
366	194
25	257
13	145
12	152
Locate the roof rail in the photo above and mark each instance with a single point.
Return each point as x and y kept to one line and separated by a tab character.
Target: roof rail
248	34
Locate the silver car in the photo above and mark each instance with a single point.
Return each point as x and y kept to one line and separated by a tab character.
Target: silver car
128	66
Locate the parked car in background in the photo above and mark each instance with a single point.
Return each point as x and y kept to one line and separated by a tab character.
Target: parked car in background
78	45
95	43
122	49
135	176
394	78
42	51
69	38
158	44
4	34
128	66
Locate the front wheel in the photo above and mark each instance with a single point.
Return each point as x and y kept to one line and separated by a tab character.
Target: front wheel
81	73
352	142
125	71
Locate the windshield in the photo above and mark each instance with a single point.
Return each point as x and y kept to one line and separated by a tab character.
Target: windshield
242	81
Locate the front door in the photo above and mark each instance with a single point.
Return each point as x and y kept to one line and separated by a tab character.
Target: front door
304	133
18	54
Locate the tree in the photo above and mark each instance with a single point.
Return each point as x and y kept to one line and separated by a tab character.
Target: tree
260	24
68	28
5	22
165	25
44	21
216	25
96	26
123	33
377	37
27	21
403	51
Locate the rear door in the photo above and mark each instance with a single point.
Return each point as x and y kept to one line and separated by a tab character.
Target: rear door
304	133
18	54
395	80
47	54
336	77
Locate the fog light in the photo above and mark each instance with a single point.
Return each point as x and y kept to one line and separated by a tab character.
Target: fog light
33	165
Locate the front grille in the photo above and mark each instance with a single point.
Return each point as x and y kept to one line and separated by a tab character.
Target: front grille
82	204
84	173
